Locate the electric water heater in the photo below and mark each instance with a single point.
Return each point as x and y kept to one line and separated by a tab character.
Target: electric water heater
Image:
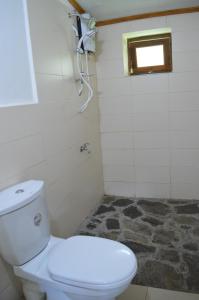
86	23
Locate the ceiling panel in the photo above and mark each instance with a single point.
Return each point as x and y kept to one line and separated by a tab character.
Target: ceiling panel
108	9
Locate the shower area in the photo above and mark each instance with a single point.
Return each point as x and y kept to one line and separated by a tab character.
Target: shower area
163	233
150	155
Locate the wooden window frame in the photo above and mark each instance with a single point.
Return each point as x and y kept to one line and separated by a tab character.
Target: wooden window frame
145	41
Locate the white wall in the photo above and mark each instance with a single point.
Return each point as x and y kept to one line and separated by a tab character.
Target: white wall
42	141
150	123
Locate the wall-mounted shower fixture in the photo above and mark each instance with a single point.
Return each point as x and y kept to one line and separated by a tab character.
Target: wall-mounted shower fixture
85	30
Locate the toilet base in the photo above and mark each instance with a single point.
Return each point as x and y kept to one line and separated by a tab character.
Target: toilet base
32	291
38	285
59	295
77	298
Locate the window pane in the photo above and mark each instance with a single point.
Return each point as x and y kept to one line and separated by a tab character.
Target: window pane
150	56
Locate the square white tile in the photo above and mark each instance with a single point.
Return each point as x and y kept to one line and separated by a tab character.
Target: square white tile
184	120
178	38
112	68
185	157
10	293
111	123
152	157
151	140
145	24
185	61
109	49
150	190
117	140
119	173
155	83
151	121
124	189
115	87
184	139
118	157
184	101
185	191
151	102
160	294
184	174
117	105
183	22
134	292
152	174
187	81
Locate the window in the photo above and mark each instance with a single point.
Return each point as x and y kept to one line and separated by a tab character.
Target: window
149	54
17	77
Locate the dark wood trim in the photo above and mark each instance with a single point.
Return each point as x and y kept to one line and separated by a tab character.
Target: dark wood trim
149	38
185	10
155	14
78	7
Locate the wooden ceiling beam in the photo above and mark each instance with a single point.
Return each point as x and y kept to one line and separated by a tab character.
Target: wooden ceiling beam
149	15
76	6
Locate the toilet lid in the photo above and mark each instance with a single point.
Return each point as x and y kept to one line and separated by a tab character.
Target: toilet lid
87	261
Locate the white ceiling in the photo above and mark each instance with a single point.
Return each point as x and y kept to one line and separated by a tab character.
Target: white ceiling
108	9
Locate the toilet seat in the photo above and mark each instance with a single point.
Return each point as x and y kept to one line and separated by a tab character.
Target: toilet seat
38	270
91	262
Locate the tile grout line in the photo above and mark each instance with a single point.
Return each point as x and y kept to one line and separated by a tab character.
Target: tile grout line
147	294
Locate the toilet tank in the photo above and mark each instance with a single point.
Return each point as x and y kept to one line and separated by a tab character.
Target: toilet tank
24	226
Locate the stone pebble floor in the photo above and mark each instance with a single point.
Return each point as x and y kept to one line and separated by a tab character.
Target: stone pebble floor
164	235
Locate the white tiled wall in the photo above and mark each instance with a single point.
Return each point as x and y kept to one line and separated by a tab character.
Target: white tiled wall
42	141
139	292
150	123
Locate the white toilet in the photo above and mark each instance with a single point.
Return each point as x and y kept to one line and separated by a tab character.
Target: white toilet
77	268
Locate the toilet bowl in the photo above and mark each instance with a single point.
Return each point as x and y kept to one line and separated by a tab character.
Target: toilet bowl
81	267
76	268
